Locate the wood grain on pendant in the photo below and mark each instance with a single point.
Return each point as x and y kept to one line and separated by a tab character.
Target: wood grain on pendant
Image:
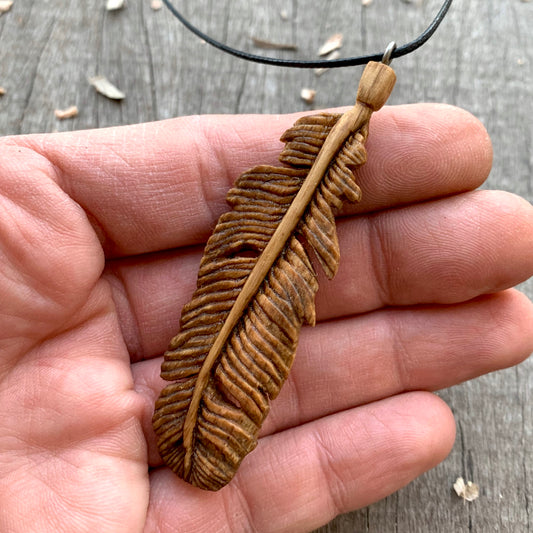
256	288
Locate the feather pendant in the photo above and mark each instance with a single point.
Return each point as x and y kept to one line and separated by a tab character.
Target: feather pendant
256	288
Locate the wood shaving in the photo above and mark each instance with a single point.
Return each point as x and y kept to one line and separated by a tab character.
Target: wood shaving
334	55
366	2
270	45
5	6
333	43
469	491
2	91
156	5
105	87
69	112
113	5
308	95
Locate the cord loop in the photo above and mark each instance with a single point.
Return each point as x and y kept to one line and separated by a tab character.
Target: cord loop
320	63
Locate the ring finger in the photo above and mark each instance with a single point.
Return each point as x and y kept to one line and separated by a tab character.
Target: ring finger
346	363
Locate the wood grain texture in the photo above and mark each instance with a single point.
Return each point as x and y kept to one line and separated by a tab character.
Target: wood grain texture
480	59
256	288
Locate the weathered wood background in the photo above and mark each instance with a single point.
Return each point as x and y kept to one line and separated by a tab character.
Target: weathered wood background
481	59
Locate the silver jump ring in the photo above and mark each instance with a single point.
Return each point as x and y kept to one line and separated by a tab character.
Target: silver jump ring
387	56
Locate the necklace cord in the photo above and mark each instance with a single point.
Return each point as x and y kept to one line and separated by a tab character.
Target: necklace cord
329	63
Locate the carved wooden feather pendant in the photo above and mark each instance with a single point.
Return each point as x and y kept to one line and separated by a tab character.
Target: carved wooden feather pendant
255	289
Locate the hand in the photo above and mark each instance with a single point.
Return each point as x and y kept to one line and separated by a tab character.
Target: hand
100	240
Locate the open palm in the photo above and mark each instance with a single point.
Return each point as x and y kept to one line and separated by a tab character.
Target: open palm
100	239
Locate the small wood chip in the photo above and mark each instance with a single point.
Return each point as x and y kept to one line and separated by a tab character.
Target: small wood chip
284	14
269	45
334	55
469	491
5	6
105	87
69	112
156	5
2	91
366	2
113	5
308	95
333	43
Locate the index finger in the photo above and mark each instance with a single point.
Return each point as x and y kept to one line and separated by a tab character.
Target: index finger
162	185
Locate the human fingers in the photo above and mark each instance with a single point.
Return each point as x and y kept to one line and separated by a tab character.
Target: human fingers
50	258
311	473
443	251
345	363
162	185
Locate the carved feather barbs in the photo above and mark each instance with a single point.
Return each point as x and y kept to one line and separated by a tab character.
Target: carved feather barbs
256	288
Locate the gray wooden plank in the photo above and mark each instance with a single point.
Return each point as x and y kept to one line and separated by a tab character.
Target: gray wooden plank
481	59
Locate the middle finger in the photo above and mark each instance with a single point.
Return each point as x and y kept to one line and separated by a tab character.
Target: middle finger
444	251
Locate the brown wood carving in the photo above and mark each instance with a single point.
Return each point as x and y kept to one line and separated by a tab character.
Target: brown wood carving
255	289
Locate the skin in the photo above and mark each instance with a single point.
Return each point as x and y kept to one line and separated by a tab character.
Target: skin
100	239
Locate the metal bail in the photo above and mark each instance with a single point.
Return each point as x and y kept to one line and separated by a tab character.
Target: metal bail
387	56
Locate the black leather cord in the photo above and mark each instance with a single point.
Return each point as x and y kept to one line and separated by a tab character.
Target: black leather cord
333	63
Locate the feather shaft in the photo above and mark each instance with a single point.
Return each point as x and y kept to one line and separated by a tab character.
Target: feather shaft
273	292
349	123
